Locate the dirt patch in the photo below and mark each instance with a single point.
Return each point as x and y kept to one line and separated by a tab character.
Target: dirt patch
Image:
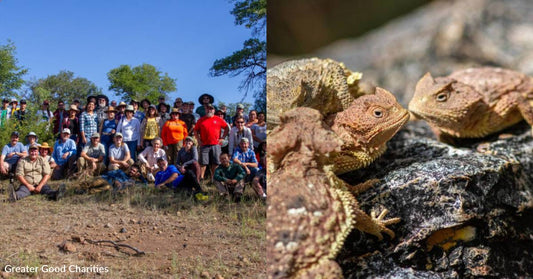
180	238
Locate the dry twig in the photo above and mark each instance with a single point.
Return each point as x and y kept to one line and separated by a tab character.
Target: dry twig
117	246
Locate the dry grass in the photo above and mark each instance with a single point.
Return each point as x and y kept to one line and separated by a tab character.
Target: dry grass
182	238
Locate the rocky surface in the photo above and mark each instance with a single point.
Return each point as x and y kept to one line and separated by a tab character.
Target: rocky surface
439	38
465	209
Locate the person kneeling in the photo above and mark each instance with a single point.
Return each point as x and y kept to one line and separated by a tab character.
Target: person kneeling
170	176
229	178
33	172
92	157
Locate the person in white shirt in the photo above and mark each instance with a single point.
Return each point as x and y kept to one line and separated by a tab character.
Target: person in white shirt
130	128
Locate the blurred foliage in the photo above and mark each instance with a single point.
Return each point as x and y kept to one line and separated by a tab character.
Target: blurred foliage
31	123
301	26
10	73
250	61
140	82
62	86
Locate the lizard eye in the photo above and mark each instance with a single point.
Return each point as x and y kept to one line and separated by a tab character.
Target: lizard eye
442	97
378	113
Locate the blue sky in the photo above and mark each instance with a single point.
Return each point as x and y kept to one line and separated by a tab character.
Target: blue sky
182	38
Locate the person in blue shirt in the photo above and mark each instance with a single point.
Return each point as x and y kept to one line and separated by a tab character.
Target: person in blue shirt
64	155
170	177
244	156
11	153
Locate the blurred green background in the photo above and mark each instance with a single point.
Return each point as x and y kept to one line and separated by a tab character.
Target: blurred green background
301	26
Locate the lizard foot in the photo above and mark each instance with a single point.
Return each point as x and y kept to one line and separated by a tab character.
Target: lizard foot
375	225
361	187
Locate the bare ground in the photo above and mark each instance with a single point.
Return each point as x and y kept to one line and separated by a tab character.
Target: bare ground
181	238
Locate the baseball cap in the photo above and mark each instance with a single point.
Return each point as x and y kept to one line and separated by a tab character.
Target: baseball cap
66	131
95	135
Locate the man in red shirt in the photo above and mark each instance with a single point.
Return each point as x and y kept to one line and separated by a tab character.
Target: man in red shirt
207	132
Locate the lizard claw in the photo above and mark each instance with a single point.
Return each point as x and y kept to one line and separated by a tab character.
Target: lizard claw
382	223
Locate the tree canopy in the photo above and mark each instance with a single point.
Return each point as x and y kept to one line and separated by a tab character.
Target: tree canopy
10	73
250	61
62	86
140	82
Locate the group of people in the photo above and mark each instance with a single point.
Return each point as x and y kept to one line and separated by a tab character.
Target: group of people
169	146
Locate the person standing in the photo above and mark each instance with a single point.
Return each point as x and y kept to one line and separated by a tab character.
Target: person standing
107	130
4	113
149	126
238	132
205	100
130	128
88	124
173	132
207	132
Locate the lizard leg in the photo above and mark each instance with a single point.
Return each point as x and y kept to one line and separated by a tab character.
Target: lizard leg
374	225
361	187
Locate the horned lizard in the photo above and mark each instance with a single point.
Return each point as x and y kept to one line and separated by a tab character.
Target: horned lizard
311	210
473	103
364	121
323	84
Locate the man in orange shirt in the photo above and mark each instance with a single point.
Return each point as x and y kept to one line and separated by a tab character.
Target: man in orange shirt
173	133
207	132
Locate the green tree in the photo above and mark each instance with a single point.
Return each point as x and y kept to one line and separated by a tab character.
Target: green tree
140	82
62	86
250	61
10	73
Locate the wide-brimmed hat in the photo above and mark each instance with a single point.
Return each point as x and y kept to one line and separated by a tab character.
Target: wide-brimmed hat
175	110
110	109
240	106
146	100
45	145
121	104
118	135
74	108
211	98
129	108
33	146
14	101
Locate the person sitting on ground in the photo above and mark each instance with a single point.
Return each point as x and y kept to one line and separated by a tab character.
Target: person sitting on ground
119	154
229	178
121	179
45	150
11	153
170	177
148	159
64	155
259	181
238	132
187	160
244	156
92	157
31	138
33	172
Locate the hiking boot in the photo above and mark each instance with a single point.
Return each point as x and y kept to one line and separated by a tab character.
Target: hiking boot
12	195
61	192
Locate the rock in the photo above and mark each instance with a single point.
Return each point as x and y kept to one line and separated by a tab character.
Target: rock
218	276
205	274
67	247
123	230
4	274
77	238
464	213
108	225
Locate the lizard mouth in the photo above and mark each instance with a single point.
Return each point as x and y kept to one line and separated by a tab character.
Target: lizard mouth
387	130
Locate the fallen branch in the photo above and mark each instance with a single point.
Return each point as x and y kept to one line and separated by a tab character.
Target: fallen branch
117	246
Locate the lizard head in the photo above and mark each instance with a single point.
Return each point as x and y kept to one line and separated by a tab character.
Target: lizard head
370	121
446	103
